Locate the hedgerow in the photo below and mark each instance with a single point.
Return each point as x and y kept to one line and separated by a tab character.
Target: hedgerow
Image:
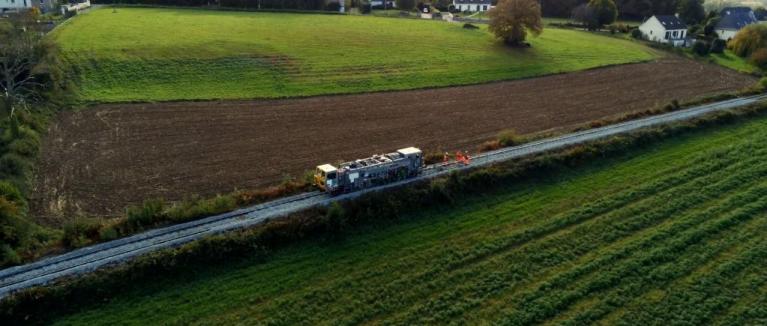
39	304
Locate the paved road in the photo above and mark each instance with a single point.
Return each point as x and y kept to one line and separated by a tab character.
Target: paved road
91	258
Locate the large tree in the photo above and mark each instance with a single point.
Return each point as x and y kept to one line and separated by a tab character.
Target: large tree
691	11
511	20
405	4
606	11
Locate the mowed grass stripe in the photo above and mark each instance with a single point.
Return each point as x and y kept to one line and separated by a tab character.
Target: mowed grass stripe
546	302
272	291
660	276
139	54
555	251
749	310
717	289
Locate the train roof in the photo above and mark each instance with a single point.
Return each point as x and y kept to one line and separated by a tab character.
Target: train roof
327	168
409	151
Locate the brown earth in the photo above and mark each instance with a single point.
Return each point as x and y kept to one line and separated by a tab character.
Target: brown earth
98	160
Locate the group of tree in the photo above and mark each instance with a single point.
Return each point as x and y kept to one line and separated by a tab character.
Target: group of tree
629	9
596	13
31	75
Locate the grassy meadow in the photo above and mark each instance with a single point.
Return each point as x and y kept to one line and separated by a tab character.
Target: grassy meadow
139	54
732	61
673	233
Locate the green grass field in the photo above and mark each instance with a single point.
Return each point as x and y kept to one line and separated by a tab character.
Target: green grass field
730	60
674	232
168	54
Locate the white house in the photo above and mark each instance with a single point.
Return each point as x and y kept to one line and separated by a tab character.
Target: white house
20	5
470	5
665	29
15	5
732	20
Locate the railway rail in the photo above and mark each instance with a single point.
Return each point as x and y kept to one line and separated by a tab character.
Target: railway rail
90	258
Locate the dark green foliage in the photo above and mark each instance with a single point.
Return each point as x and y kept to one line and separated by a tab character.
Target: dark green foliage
79	232
12	165
710	28
405	4
718	46
637	34
691	11
140	217
605	11
760	13
249	4
701	48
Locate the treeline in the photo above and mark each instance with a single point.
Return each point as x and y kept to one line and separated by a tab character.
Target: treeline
34	82
245	4
627	9
40	305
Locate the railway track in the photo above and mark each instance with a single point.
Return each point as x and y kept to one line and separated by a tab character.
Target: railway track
93	257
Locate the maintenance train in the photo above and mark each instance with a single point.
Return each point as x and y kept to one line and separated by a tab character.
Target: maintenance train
370	172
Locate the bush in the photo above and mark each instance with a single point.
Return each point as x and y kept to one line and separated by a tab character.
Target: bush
470	26
509	137
718	46
333	6
26	147
80	232
749	40
759	58
365	8
8	256
13	165
490	145
700	48
11	193
637	34
433	157
139	217
108	233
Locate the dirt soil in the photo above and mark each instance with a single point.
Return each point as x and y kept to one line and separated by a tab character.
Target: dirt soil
98	160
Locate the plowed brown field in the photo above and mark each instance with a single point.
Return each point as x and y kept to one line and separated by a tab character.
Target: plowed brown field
98	160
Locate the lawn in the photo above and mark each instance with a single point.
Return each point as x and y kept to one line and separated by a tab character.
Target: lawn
732	61
139	54
670	233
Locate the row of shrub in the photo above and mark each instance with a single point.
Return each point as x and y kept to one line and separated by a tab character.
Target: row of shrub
38	305
243	4
154	213
19	147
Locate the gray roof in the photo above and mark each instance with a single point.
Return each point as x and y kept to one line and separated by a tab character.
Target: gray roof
736	18
671	22
472	2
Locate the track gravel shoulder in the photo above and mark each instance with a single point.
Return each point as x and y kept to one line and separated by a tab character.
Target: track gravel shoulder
98	160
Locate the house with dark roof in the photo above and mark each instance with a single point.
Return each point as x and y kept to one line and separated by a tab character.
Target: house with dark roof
472	5
732	20
665	29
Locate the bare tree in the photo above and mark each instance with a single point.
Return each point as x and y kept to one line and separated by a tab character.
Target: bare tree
27	66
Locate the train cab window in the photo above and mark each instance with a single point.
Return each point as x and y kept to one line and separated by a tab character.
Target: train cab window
331	175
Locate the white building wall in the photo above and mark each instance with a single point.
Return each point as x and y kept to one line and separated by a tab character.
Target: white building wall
468	7
15	4
654	31
726	34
